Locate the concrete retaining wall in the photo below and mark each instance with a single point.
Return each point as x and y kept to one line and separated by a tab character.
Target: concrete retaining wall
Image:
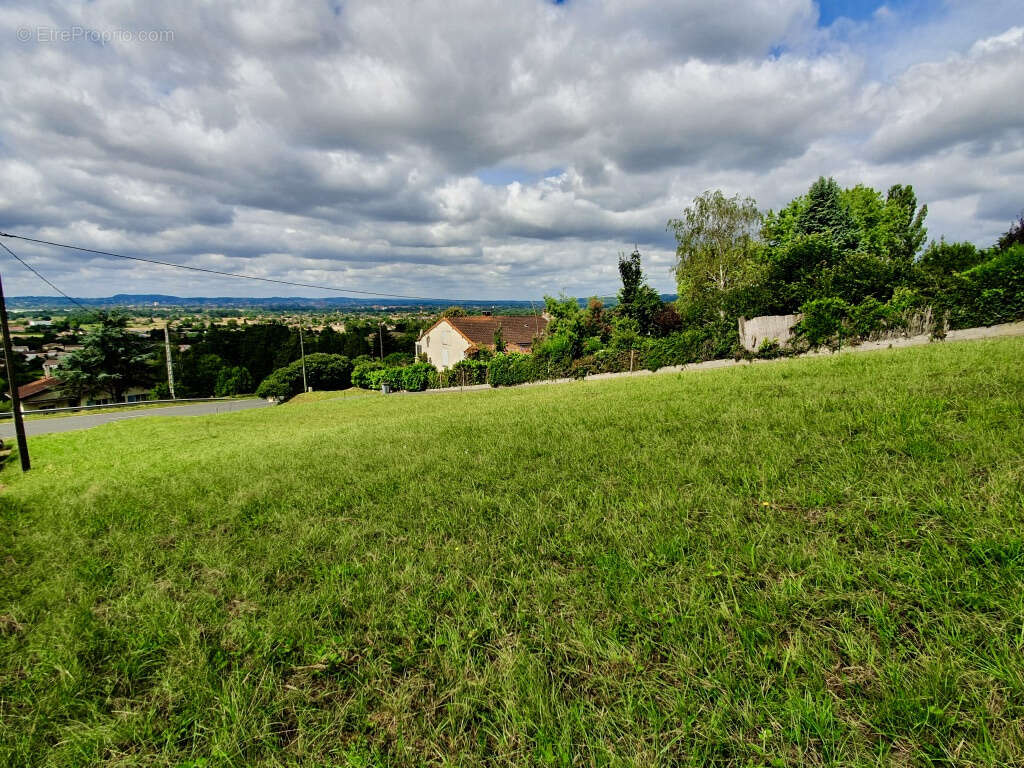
755	331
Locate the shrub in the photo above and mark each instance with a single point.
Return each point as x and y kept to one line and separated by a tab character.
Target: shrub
870	317
770	349
511	368
416	377
323	371
393	377
823	321
466	373
990	293
361	374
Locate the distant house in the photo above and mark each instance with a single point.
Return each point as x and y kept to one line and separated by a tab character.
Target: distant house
448	340
46	393
50	365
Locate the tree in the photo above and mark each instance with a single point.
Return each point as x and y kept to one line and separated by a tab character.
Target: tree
112	359
905	222
1013	236
637	300
716	240
499	340
233	381
454	312
323	371
942	259
827	214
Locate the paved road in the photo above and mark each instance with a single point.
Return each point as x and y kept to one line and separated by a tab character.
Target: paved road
86	420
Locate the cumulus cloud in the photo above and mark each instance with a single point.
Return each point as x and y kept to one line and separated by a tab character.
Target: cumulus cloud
471	148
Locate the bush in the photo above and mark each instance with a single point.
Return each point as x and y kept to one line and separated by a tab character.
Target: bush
823	321
988	294
323	372
391	376
511	368
706	342
416	377
466	373
870	317
361	373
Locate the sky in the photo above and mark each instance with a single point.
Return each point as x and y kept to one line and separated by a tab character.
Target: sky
479	150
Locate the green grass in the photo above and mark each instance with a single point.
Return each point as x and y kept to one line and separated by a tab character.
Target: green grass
809	562
315	397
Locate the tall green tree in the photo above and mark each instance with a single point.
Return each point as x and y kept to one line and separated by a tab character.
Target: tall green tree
112	360
905	221
637	300
716	243
1013	236
828	214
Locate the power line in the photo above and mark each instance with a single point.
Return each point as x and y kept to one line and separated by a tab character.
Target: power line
33	270
207	270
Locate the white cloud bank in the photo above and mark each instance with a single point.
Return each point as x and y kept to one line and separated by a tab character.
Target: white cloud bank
348	144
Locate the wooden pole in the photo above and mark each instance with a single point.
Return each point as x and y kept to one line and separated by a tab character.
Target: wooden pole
19	424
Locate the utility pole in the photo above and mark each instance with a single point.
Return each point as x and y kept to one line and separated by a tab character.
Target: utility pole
19	424
302	352
170	368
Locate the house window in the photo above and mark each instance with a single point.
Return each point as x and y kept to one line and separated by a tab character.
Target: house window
444	357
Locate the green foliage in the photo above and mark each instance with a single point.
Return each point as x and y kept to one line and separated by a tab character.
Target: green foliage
511	368
466	373
905	223
710	341
828	215
566	331
323	371
942	259
637	300
1014	236
499	340
716	243
416	377
233	381
361	373
990	293
823	322
112	359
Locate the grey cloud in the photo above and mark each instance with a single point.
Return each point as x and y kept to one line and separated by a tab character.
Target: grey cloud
340	145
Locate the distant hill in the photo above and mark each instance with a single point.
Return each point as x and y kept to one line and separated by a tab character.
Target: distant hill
162	301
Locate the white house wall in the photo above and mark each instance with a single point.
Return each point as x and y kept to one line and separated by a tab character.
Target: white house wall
443	345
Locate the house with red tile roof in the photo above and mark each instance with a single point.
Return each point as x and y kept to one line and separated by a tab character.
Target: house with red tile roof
47	393
450	339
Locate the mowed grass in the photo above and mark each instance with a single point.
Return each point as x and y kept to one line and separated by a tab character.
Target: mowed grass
809	562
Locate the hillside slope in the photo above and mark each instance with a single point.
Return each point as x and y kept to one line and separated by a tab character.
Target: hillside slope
813	561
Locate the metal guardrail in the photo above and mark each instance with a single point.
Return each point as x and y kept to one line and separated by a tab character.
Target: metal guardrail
135	404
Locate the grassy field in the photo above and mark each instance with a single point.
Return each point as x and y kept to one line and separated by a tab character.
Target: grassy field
808	562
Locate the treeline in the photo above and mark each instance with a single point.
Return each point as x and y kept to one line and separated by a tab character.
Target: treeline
223	360
851	260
